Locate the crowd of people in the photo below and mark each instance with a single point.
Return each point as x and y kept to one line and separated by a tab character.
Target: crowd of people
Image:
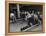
30	16
33	18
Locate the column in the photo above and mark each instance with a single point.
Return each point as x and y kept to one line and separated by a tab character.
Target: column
18	11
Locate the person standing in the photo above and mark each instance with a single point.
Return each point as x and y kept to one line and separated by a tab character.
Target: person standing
30	17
